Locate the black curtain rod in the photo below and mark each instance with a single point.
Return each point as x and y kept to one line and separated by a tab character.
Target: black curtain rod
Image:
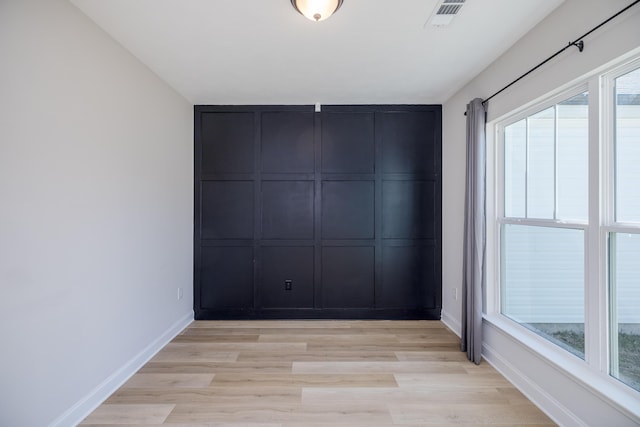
577	43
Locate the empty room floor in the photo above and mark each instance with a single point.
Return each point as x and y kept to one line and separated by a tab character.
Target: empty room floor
316	373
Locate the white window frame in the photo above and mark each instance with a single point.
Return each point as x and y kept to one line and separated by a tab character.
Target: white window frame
594	370
609	223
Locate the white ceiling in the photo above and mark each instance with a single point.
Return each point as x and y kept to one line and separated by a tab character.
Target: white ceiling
264	52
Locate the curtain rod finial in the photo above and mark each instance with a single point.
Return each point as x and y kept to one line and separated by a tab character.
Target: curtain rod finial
579	44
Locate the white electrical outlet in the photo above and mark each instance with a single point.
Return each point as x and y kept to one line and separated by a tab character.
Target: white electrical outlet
455	294
179	294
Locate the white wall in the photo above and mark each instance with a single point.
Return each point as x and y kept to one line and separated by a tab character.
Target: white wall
572	19
95	213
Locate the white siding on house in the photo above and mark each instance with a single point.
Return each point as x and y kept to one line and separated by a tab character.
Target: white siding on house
543	274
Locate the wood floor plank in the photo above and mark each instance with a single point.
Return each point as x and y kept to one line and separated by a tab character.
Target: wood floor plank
439	338
291	413
180	352
219	352
431	356
209	396
330	339
129	414
256	364
304	380
367	347
187	338
316	373
160	380
320	356
382	396
428	413
424	368
448	379
402	325
179	347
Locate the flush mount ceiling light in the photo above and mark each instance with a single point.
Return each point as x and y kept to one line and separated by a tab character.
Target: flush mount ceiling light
317	10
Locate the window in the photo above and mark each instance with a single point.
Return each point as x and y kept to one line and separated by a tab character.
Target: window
624	232
567	221
543	226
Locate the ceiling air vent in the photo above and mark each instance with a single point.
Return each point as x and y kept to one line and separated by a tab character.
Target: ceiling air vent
445	11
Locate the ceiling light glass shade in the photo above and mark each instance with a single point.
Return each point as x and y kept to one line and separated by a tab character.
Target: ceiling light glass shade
317	10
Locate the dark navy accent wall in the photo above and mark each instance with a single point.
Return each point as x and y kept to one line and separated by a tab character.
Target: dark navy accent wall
301	214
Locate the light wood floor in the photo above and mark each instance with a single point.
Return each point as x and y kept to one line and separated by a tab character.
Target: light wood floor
316	373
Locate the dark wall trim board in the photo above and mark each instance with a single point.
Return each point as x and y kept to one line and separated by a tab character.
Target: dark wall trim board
318	215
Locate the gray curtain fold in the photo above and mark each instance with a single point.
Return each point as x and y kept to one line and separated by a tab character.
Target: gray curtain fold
473	280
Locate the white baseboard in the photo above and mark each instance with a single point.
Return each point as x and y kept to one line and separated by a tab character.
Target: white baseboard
78	412
451	322
543	400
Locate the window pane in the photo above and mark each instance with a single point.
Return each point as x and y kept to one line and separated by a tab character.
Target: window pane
627	146
625	310
573	158
515	167
541	165
542	282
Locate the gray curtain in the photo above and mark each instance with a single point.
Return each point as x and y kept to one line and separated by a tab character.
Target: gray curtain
473	280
